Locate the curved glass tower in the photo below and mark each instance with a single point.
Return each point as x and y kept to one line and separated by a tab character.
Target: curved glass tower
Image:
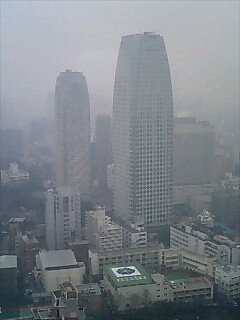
72	117
143	131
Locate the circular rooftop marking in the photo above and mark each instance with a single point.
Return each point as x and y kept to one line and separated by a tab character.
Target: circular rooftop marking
125	271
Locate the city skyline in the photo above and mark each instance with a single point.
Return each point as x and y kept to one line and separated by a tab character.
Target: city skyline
204	62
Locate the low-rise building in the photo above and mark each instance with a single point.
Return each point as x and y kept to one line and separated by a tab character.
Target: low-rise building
202	240
90	297
227	279
191	290
133	287
8	276
29	247
56	267
14	174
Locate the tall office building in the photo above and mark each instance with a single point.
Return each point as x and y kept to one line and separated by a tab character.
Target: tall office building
103	138
194	152
72	115
143	130
62	216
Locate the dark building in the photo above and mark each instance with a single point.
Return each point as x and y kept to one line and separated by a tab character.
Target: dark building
8	277
103	146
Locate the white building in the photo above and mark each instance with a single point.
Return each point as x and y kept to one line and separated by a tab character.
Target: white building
228	280
62	216
14	173
134	234
203	242
72	117
143	130
206	218
133	287
102	232
56	267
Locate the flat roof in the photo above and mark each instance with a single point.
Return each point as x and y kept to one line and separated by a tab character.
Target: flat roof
88	289
58	258
8	262
125	275
175	275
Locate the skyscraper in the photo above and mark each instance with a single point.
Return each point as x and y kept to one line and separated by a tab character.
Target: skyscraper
143	130
72	115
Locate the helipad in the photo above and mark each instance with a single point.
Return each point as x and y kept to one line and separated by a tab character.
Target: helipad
124	275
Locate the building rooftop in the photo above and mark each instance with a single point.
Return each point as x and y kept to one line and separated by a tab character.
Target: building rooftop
125	251
190	284
8	262
175	275
17	220
125	275
88	289
59	258
30	239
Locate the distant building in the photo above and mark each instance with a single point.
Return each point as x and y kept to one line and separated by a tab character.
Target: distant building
103	139
56	267
8	276
72	117
16	227
62	216
29	247
110	176
102	232
228	281
194	152
14	174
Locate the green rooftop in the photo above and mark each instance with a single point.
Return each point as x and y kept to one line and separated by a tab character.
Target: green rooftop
17	314
179	275
128	274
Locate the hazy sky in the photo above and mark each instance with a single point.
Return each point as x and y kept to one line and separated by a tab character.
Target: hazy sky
39	39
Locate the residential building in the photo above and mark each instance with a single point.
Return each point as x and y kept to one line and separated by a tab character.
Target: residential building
29	247
72	117
16	226
103	139
143	131
56	267
65	302
90	297
194	152
62	216
8	277
134	233
13	174
102	232
227	279
203	240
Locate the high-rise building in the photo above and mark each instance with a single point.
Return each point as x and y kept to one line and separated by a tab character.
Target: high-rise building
103	138
143	130
62	216
194	152
72	115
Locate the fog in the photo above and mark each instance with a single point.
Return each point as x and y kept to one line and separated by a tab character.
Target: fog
39	39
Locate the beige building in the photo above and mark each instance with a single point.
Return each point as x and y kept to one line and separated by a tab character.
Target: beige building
102	232
56	267
227	279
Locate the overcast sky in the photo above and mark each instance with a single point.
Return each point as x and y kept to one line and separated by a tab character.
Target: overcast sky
39	39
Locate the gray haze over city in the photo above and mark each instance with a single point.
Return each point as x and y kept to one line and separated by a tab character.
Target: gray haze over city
39	39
